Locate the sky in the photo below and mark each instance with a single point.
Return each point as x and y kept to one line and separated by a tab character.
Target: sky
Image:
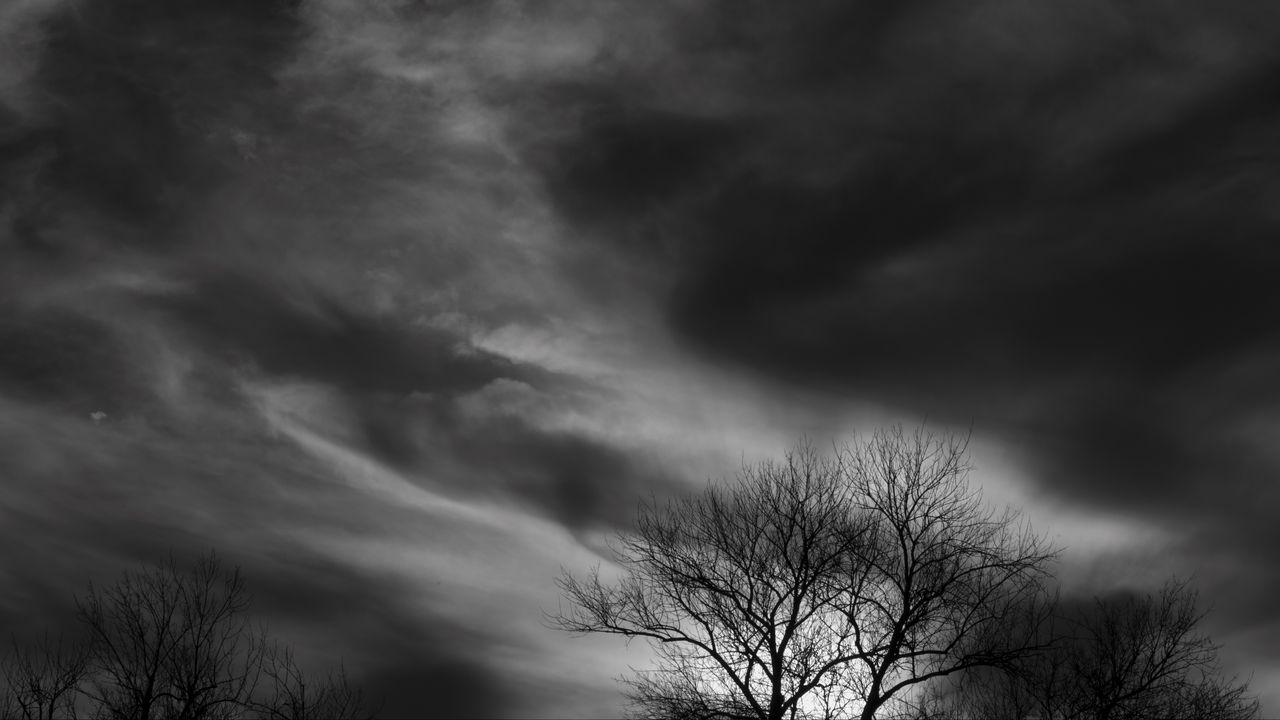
403	306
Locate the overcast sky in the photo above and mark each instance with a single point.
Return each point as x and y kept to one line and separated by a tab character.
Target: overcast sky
402	306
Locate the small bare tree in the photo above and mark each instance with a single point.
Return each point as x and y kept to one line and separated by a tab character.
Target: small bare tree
171	643
1143	656
939	589
1132	656
43	680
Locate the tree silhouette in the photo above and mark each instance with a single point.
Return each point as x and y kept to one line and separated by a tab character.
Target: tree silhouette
816	587
1143	657
1129	656
42	680
170	643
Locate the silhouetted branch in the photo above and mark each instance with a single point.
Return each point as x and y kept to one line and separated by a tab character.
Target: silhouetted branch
289	693
43	680
1123	657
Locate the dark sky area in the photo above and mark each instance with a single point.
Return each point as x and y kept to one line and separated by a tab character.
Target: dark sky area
403	305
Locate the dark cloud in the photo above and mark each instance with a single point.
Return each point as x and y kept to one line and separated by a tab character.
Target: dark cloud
582	483
471	450
662	155
301	331
134	98
58	357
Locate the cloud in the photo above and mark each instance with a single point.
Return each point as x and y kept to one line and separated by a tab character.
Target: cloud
307	334
61	358
131	96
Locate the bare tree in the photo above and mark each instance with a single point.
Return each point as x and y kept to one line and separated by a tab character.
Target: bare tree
290	693
174	644
817	587
939	589
43	680
731	586
1144	657
1128	657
